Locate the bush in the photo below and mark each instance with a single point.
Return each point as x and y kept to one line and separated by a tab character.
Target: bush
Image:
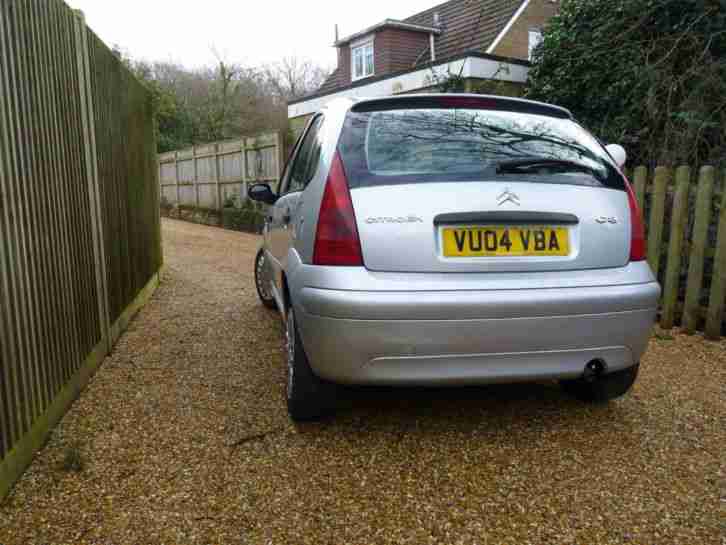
650	74
249	218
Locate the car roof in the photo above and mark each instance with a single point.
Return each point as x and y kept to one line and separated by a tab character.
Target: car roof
424	99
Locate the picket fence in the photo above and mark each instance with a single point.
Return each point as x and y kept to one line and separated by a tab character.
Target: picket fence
685	219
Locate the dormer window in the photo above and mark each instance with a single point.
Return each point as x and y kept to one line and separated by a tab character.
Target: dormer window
362	64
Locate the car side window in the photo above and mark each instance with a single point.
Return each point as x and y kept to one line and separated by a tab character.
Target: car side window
285	176
308	156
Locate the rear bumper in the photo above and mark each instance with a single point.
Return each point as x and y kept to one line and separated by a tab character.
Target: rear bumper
473	336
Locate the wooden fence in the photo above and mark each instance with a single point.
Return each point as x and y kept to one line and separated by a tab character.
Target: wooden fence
80	245
207	176
685	218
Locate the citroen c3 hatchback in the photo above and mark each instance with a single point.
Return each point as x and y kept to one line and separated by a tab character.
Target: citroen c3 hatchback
454	240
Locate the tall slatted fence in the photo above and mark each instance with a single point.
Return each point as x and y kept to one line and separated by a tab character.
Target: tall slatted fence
80	246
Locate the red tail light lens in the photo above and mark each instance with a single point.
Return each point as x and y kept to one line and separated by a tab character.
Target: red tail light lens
637	238
337	242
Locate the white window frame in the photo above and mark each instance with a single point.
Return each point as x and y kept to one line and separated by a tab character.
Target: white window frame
363	46
535	38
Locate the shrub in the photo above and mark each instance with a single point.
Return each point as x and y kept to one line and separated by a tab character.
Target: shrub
650	74
249	218
230	201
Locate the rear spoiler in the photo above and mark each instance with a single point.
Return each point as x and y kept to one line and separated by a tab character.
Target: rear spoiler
468	101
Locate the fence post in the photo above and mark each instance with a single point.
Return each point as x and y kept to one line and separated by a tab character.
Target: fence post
714	316
698	250
94	193
640	175
657	209
673	264
176	178
243	165
196	176
217	186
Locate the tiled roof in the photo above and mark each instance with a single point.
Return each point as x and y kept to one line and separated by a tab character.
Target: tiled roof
468	25
331	83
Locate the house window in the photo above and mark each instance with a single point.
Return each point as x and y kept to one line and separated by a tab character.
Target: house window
362	60
535	38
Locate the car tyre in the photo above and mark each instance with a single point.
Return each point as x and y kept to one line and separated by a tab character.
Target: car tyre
263	292
308	396
603	388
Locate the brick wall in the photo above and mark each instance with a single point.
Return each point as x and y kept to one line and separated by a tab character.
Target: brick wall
397	49
515	43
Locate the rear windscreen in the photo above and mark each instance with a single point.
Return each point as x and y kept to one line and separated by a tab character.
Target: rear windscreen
444	144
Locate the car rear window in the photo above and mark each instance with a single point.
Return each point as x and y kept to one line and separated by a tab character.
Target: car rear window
420	145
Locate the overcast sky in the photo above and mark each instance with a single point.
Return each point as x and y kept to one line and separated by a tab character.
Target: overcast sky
249	32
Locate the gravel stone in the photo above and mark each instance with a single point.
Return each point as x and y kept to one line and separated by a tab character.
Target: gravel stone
183	438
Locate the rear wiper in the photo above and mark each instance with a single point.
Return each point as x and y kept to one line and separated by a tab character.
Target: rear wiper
517	165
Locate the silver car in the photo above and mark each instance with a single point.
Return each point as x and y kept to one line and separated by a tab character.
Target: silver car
454	240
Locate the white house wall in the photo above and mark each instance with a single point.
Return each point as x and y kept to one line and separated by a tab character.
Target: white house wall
473	67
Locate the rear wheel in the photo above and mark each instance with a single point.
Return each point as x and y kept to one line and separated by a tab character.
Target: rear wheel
263	288
603	388
308	397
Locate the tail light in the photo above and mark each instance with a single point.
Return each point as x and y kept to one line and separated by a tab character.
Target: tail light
337	242
637	237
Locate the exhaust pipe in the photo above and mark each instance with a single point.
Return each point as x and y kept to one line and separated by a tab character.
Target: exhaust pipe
594	370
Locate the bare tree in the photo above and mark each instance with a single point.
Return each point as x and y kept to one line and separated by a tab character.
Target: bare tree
293	77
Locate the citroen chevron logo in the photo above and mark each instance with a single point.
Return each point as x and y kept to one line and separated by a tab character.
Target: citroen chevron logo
508	196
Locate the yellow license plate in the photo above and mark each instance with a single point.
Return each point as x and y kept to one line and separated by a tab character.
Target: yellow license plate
490	241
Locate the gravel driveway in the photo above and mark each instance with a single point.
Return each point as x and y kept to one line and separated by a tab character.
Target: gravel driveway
183	438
